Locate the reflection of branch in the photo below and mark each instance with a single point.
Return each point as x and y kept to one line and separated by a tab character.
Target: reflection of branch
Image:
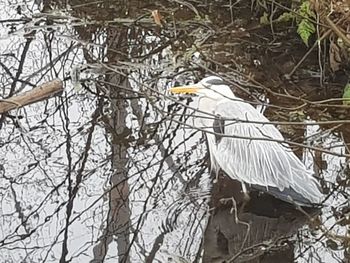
23	19
117	223
49	65
18	73
20	211
20	66
158	242
265	246
74	188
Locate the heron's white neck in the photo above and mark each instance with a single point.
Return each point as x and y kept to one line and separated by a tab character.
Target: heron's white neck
207	104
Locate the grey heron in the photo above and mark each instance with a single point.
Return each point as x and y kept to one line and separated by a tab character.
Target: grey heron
247	147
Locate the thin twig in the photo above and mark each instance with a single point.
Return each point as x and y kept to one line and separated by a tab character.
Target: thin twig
308	53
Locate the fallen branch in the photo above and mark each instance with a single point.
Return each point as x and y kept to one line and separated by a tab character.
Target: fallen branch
44	91
338	31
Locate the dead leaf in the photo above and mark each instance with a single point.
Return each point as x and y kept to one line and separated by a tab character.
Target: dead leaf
157	17
334	57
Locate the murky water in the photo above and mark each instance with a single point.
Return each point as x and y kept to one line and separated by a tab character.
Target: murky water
111	171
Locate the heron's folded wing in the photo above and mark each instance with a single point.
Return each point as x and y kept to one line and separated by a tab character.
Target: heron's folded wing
255	155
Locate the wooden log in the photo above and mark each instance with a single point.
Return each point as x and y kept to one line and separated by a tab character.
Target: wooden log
44	91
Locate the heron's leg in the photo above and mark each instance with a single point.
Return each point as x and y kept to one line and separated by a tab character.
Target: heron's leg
216	176
246	196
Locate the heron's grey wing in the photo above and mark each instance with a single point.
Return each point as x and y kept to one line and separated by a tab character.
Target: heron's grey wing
265	162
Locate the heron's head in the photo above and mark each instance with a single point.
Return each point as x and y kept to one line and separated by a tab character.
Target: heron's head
211	87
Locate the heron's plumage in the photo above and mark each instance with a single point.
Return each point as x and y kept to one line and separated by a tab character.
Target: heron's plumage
252	155
248	151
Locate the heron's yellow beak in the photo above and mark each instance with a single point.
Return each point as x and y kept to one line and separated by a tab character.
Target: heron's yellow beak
191	89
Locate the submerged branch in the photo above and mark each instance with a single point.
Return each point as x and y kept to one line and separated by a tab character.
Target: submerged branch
39	93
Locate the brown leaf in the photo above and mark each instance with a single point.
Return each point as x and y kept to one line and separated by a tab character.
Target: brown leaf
157	17
334	57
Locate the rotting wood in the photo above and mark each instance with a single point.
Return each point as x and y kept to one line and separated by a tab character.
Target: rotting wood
44	91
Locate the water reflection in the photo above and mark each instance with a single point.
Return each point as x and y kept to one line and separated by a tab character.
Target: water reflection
108	173
257	231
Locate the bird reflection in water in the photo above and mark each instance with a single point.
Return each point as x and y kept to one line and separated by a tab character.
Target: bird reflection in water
259	230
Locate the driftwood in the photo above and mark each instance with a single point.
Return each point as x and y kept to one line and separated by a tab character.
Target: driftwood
39	93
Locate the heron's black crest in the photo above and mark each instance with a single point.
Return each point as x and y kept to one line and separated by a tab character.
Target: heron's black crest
215	81
218	127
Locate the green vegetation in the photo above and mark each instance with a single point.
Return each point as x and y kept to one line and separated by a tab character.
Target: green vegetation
304	16
346	94
305	27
